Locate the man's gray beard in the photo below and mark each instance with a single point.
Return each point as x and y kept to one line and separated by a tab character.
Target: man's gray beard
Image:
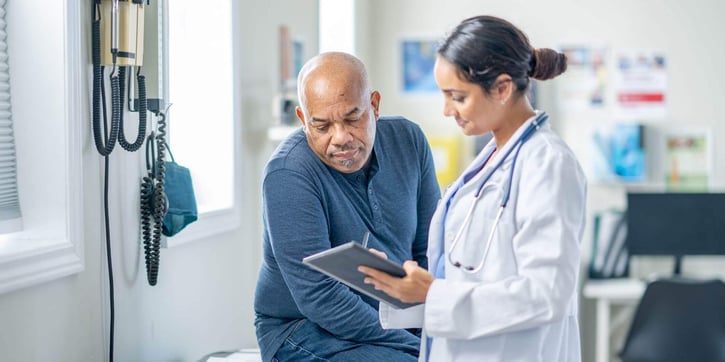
347	163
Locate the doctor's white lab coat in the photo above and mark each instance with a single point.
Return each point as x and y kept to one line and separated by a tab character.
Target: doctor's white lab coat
522	305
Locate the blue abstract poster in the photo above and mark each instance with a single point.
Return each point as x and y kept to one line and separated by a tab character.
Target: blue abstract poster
418	59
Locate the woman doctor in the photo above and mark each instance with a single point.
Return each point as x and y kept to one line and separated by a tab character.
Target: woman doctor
504	245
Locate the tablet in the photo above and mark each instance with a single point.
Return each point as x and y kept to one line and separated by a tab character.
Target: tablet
341	263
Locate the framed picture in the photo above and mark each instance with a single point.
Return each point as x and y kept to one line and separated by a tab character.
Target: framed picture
640	84
584	85
687	159
417	61
618	153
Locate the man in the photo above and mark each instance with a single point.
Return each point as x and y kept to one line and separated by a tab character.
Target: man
344	173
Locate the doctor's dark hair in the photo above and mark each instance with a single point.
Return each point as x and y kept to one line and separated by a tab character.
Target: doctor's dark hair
484	47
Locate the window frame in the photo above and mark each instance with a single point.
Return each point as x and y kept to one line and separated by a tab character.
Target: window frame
33	259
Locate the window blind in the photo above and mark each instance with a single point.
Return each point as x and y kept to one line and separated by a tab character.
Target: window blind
10	217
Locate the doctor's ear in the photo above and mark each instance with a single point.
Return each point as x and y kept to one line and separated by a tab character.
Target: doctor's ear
503	88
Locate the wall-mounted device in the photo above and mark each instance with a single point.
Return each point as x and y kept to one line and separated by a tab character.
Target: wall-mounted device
125	35
151	59
122	32
117	41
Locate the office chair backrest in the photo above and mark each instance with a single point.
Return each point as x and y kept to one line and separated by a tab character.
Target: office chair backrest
678	320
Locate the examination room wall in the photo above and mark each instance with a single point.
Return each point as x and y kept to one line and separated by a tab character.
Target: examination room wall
203	300
685	31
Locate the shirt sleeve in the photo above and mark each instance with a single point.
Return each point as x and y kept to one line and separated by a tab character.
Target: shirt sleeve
296	222
394	318
550	217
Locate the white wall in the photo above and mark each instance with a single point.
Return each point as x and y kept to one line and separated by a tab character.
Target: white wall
59	320
203	300
686	31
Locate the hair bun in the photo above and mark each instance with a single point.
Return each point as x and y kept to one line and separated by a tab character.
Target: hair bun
546	63
532	62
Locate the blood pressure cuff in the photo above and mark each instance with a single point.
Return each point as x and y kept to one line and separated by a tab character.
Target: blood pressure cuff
181	199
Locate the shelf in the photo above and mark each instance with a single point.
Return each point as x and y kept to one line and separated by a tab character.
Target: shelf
638	185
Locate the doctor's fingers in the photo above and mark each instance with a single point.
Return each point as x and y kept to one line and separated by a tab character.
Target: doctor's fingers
409	289
380	280
375	274
378	253
392	286
414	287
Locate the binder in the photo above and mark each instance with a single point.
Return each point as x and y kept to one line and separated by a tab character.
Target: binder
610	258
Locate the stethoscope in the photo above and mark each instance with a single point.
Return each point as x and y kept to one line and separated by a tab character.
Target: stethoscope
535	125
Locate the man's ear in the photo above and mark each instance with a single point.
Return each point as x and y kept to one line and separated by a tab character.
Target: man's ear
301	116
375	103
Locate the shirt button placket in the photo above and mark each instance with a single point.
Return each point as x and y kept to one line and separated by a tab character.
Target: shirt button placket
376	210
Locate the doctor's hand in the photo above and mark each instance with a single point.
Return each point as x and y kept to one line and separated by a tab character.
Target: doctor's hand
411	288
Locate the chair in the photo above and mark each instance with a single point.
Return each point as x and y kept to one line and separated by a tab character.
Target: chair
678	320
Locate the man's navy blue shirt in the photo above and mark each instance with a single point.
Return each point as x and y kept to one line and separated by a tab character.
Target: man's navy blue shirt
309	207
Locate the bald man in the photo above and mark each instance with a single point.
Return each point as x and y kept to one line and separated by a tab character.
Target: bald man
345	172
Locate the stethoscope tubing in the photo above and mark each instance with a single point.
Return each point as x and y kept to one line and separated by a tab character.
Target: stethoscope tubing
535	125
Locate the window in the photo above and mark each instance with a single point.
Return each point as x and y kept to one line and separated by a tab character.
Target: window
43	45
202	131
10	219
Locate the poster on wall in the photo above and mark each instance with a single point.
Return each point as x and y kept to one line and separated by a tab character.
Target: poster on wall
640	85
584	84
618	153
687	161
417	60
